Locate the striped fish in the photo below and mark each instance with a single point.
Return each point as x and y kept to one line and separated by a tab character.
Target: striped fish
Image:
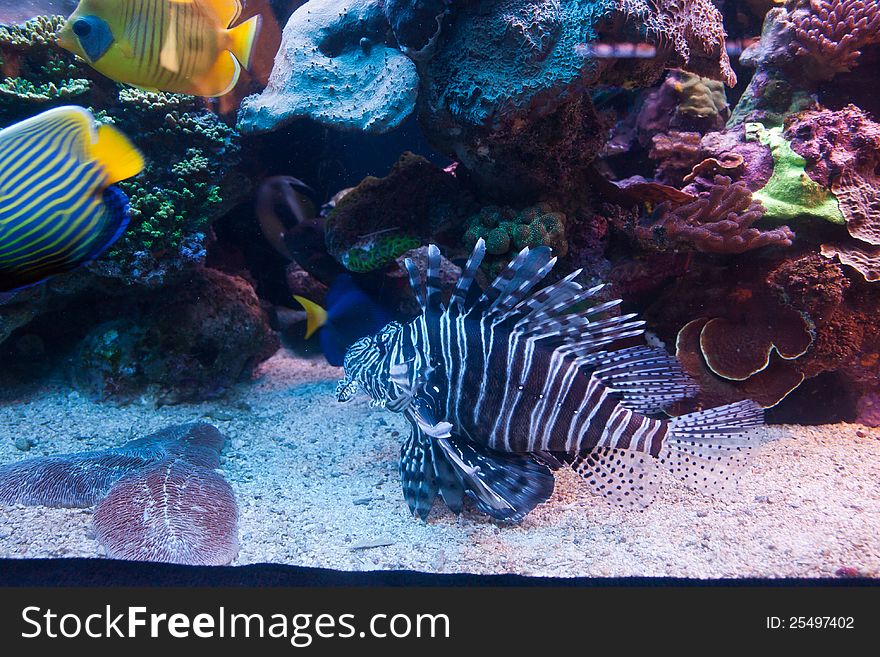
501	387
58	209
181	46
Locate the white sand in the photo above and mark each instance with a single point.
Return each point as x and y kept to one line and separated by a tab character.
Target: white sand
317	485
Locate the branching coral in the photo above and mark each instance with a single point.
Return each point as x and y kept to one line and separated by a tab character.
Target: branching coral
695	29
718	221
832	33
34	70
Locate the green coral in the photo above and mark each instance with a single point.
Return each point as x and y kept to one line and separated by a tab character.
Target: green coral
378	251
35	70
507	231
791	192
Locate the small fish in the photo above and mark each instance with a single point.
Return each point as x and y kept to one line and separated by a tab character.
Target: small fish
502	387
287	211
181	46
58	208
351	314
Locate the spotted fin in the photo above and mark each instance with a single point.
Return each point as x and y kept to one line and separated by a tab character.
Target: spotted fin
623	477
708	449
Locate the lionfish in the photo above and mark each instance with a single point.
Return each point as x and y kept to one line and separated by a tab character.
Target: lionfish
504	386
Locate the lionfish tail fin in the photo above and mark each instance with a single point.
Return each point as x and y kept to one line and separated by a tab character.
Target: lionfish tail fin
708	449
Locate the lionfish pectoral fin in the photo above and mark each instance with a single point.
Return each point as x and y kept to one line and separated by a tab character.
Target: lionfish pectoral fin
624	477
417	473
504	486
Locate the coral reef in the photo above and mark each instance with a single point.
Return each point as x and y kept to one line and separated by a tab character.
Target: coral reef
791	193
193	345
171	512
717	221
831	34
864	258
694	28
35	71
417	24
365	231
335	68
507	231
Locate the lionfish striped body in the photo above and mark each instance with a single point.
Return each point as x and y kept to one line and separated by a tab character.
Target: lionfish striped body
501	387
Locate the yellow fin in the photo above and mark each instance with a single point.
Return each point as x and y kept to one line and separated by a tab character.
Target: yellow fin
120	158
242	38
222	77
316	316
168	58
226	11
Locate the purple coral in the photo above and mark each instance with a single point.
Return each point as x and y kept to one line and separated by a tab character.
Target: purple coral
718	221
80	480
172	512
833	32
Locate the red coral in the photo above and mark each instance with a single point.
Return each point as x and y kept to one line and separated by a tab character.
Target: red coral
718	221
833	32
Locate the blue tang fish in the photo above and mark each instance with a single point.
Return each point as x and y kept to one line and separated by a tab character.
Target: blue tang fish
350	315
58	208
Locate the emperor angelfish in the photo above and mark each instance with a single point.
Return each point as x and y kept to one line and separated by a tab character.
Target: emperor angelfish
58	209
181	46
501	387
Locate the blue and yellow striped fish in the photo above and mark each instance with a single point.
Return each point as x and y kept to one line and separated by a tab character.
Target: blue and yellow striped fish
182	46
502	386
57	207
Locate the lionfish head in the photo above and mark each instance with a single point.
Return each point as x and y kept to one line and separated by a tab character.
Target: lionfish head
367	364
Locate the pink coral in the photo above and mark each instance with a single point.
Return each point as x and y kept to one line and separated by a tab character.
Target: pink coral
834	32
693	27
718	221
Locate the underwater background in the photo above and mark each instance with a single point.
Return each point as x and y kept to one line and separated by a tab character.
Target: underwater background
715	162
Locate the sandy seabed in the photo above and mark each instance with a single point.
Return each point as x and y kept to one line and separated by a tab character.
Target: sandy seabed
317	485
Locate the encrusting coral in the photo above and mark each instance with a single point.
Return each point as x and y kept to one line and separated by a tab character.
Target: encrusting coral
791	193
